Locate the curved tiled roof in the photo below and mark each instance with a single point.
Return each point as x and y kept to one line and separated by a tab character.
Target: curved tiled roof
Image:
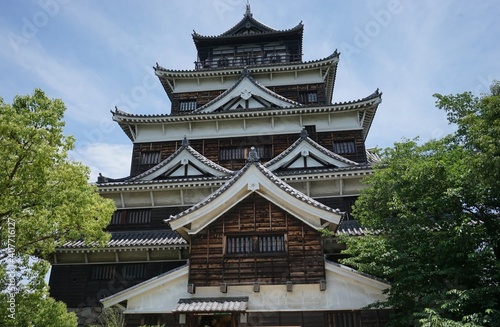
245	23
274	178
140	238
304	138
253	69
184	147
245	75
339	106
222	304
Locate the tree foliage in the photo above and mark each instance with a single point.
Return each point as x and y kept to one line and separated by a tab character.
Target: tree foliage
45	200
435	208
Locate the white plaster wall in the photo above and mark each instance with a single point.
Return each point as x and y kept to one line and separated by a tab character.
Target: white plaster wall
343	293
253	126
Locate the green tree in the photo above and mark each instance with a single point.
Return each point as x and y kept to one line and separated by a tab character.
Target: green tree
45	200
434	209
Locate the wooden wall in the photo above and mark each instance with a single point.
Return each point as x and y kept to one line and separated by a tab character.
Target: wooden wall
210	147
302	262
73	284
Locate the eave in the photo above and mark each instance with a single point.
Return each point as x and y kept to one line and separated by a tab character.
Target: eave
254	178
366	108
168	77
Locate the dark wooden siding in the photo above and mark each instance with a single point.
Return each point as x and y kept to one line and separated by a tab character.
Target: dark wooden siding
303	261
278	143
157	217
73	284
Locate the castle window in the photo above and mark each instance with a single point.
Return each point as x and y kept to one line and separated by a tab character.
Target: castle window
241	153
131	217
187	105
150	158
344	147
137	271
261	244
103	272
308	97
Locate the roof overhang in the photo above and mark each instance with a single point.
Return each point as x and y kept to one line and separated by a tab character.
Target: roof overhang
254	178
365	108
212	304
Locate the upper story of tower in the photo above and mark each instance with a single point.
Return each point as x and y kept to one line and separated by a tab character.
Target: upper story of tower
271	57
249	43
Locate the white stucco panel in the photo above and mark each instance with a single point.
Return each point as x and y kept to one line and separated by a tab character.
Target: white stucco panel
346	290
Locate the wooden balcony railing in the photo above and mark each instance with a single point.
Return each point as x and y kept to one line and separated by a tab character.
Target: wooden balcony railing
245	60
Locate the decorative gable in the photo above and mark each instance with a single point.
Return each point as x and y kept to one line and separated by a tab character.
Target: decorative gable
183	163
307	154
255	178
247	93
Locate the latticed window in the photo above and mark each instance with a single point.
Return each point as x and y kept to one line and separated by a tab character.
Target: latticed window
187	105
100	272
255	244
131	217
271	243
308	97
150	158
241	153
137	271
344	147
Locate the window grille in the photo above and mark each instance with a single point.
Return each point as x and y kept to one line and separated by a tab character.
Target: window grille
116	219
344	147
308	97
241	153
134	271
103	272
150	158
255	244
139	217
187	105
131	217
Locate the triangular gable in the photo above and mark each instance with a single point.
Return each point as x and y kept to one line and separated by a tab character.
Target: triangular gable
346	289
185	162
247	93
306	154
254	177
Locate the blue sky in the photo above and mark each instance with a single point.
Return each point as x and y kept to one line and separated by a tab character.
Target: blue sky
95	55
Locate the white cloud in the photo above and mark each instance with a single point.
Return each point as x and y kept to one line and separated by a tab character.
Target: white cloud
111	160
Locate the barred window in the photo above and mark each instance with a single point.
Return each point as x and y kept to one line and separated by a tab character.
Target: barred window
100	272
308	97
255	244
136	271
344	147
150	158
108	272
241	153
131	217
187	105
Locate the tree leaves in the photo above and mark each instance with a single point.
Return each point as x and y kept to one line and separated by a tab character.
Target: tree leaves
45	200
436	207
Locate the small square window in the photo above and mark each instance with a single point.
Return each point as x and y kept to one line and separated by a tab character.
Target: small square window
308	97
150	158
344	147
187	105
